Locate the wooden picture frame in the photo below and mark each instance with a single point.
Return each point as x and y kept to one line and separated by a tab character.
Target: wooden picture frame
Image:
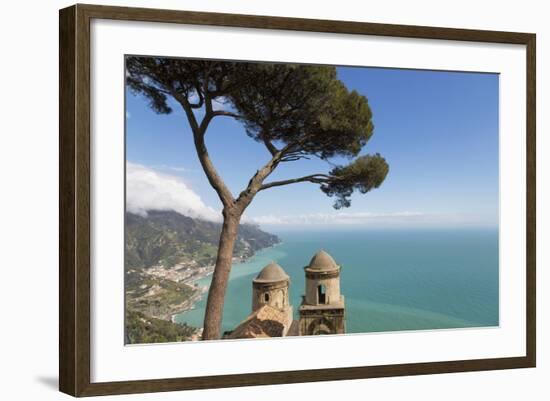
74	200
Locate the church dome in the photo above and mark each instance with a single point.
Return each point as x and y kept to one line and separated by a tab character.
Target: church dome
322	261
271	273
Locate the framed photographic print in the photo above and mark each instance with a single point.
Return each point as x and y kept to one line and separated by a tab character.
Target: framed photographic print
250	200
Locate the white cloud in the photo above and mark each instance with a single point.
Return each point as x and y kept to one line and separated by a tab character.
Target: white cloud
148	189
177	169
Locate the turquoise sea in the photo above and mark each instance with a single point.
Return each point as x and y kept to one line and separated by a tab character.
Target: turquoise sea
392	280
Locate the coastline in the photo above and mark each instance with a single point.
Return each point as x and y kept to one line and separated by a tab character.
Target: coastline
241	267
189	306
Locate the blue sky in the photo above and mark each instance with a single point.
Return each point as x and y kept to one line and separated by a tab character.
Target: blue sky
437	130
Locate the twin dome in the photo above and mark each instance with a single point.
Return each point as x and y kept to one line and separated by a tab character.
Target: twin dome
272	272
321	261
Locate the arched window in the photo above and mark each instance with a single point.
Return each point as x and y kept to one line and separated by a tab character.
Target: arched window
321	326
322	294
266	297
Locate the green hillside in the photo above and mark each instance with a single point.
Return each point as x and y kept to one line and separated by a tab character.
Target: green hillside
167	238
141	329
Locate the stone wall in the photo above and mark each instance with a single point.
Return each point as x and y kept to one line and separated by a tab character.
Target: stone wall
331	283
322	321
273	294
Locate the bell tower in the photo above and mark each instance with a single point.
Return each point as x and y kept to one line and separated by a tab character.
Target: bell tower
323	308
270	287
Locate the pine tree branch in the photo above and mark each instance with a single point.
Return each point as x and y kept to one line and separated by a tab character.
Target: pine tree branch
224	113
313	178
212	175
270	147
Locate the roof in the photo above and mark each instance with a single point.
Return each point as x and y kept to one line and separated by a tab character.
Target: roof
271	273
264	322
322	261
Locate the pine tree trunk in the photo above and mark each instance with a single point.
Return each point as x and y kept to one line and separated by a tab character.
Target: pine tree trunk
216	294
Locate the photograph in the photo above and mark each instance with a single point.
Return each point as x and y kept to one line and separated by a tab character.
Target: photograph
271	199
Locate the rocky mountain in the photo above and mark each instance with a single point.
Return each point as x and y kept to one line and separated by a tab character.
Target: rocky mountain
168	238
